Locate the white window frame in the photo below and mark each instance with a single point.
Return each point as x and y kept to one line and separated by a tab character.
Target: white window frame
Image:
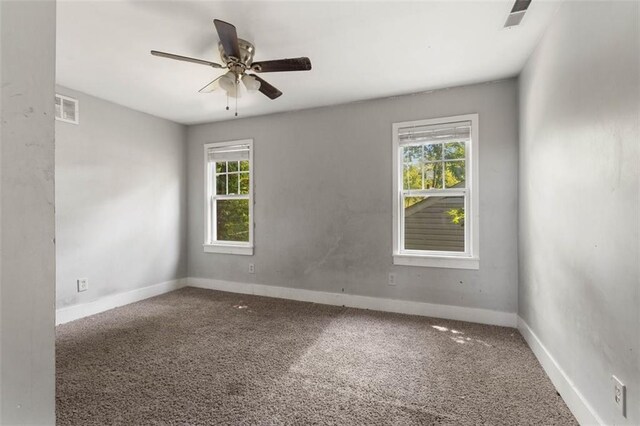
470	259
76	108
210	244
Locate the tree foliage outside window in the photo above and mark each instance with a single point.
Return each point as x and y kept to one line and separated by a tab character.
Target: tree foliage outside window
232	218
457	216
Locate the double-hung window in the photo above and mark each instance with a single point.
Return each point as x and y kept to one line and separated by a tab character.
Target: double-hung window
229	197
435	181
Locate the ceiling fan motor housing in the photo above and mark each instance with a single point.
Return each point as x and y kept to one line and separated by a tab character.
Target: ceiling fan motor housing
245	60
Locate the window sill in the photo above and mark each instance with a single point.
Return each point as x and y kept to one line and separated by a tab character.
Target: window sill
228	249
437	261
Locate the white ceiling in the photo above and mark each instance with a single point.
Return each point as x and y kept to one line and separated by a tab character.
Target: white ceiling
359	50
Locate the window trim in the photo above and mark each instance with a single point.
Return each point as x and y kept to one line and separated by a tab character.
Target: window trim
471	258
227	247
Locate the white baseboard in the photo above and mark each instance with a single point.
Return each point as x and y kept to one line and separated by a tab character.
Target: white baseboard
579	406
483	316
460	313
71	313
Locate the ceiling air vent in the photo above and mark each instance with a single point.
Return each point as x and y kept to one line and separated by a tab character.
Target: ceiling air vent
66	109
517	13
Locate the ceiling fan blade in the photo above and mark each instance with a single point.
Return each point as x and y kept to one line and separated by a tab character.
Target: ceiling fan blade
211	86
185	59
228	38
293	64
267	89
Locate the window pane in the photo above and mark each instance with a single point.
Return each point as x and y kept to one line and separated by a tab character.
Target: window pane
233	183
412	176
433	176
244	166
454	150
221	184
434	223
221	166
412	154
232	220
244	182
454	174
433	152
233	166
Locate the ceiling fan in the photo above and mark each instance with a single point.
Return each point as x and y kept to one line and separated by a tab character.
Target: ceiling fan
237	55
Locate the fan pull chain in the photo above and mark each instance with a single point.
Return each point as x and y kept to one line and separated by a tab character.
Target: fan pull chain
236	103
227	101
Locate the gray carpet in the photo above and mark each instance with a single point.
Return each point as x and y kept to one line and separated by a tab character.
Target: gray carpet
201	357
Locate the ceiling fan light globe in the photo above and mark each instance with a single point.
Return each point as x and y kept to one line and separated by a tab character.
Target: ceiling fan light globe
237	91
228	82
250	83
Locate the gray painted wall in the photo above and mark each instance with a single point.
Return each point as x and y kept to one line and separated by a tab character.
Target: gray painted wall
580	131
27	255
323	198
120	200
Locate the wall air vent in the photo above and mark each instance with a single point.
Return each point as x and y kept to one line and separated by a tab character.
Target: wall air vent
517	13
67	109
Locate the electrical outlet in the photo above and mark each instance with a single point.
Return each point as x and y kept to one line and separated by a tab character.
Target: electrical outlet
252	268
83	284
620	395
392	279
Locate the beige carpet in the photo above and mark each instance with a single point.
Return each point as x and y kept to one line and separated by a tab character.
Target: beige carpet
201	357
